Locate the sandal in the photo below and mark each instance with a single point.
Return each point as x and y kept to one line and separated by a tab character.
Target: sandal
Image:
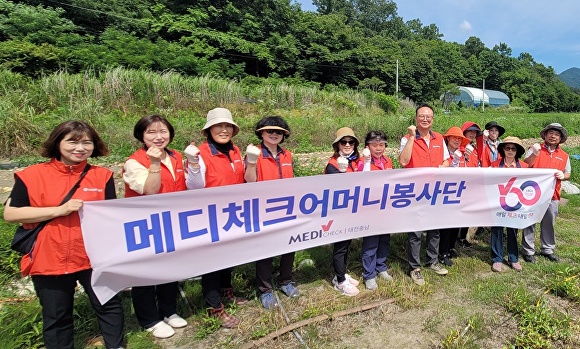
228	321
228	294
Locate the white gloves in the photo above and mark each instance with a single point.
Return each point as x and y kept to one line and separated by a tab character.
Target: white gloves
367	154
468	150
192	154
252	154
536	148
486	133
456	158
342	163
559	174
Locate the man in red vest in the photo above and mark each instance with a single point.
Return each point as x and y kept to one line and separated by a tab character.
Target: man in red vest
422	147
547	155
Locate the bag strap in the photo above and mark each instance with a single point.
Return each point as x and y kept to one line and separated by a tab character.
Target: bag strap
68	195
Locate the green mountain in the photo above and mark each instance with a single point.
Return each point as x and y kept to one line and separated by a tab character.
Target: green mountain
571	77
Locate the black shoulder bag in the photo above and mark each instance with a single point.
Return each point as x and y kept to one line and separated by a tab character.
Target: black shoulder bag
24	239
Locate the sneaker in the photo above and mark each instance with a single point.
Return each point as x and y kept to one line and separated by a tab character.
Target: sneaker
268	300
346	288
496	267
348	278
175	321
550	256
371	284
464	243
290	290
385	276
516	266
530	258
417	277
438	269
227	320
445	260
161	330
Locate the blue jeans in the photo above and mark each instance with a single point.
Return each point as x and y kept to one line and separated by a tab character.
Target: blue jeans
375	250
497	244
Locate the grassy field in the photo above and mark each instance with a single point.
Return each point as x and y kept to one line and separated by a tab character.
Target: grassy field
470	308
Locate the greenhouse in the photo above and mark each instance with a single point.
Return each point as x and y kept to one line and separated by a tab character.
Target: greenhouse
472	97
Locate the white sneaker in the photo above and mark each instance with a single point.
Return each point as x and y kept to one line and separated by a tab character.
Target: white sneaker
385	276
346	288
161	330
348	278
371	284
175	321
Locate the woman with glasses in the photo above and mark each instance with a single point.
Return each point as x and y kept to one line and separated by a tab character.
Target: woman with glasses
344	159
269	161
511	150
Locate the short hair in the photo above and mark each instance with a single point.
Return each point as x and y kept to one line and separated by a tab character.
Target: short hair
424	105
76	130
146	121
273	120
373	135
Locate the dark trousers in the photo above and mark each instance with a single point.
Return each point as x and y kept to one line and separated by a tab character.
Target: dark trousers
447	239
414	248
212	283
339	258
264	270
153	303
56	295
375	250
497	237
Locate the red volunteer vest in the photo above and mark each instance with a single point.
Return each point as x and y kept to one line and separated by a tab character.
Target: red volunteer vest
556	160
168	184
268	168
219	170
424	155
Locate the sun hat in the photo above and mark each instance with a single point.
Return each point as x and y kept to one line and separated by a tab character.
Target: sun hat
496	125
558	127
217	116
286	132
520	150
343	132
456	132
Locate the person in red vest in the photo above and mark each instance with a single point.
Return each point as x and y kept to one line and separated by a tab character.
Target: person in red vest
217	162
510	151
155	169
58	259
375	248
455	141
344	160
547	155
422	147
269	161
490	142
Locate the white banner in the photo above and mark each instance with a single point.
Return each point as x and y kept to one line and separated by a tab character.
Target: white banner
156	239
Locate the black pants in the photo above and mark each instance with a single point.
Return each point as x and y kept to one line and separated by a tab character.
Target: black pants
212	283
56	295
264	270
153	303
339	258
447	239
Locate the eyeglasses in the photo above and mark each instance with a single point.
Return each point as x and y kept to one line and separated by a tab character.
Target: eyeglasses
278	132
510	148
424	117
345	142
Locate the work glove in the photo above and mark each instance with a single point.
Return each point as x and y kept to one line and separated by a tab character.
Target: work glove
456	158
342	163
485	134
536	148
367	154
468	150
252	154
192	153
559	174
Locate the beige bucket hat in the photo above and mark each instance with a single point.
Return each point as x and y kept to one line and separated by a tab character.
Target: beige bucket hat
515	141
217	116
343	132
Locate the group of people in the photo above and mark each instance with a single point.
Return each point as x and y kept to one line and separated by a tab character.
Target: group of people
59	260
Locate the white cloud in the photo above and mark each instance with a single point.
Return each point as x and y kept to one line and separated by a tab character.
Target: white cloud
465	25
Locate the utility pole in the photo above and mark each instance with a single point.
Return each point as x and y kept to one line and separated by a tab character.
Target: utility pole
483	96
397	82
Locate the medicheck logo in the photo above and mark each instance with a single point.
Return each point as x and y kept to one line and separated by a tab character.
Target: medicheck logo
512	196
325	230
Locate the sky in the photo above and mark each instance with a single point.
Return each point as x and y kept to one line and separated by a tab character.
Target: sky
550	32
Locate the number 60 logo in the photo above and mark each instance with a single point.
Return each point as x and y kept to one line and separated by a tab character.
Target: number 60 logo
528	194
